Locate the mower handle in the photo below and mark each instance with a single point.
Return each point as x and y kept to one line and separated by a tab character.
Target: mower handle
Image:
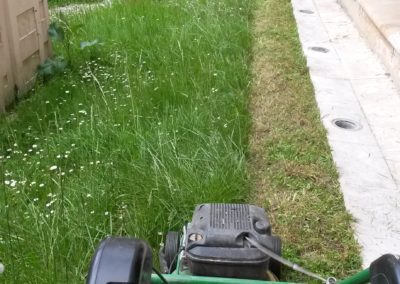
384	270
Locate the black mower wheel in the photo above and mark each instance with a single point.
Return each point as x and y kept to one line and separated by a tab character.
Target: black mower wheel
171	250
275	266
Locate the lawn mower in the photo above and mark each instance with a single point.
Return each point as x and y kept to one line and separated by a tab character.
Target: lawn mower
223	244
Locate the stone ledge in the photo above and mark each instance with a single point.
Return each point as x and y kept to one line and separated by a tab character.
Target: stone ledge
379	22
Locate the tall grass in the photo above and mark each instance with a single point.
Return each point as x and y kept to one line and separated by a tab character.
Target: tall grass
126	142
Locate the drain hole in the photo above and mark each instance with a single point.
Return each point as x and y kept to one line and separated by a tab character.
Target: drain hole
319	49
306	11
346	124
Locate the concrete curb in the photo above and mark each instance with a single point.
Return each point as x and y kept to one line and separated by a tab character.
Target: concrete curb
379	22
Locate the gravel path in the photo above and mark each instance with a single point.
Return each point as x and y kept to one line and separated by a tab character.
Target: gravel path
80	8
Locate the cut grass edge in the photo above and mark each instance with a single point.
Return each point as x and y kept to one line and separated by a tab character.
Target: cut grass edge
290	163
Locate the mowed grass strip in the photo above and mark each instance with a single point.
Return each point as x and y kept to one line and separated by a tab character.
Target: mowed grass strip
290	160
127	141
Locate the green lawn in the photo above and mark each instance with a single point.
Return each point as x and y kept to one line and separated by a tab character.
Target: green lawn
130	139
155	120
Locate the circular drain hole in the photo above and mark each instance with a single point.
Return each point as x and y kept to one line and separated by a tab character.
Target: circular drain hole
306	11
319	49
346	124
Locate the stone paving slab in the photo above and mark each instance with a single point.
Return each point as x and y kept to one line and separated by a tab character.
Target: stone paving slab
351	83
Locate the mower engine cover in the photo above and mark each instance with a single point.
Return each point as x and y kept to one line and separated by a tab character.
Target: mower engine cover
216	244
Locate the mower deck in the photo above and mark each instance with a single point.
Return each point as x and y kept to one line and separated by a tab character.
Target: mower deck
189	279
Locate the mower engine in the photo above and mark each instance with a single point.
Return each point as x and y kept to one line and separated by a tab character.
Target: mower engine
214	243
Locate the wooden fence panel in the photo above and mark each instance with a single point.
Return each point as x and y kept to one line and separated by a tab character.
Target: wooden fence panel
6	73
26	25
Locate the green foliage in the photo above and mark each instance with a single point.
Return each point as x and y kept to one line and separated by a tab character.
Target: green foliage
62	32
90	44
56	32
51	67
56	65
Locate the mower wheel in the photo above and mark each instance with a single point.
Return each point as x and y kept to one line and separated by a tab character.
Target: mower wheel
171	250
275	266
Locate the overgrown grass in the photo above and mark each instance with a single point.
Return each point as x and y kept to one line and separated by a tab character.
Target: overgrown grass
290	160
128	140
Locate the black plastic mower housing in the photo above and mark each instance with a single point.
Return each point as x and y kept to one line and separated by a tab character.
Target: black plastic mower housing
216	245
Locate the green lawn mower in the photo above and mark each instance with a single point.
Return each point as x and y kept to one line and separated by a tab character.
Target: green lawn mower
225	244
